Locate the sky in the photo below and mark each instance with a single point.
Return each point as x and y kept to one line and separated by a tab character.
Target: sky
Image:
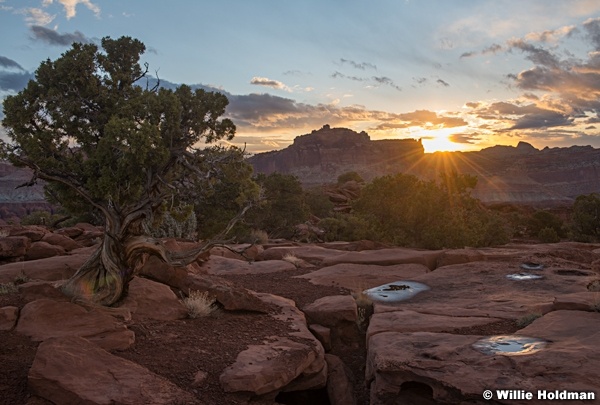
457	74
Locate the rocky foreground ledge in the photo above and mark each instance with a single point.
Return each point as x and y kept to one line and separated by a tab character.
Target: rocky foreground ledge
328	323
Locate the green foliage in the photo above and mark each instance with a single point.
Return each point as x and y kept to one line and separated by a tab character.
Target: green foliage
283	205
106	144
39	218
586	217
349	176
318	202
544	219
177	222
404	210
548	235
346	227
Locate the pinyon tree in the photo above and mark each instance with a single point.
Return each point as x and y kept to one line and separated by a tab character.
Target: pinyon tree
90	126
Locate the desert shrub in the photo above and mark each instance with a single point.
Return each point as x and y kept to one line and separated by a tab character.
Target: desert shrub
318	203
404	210
39	218
283	205
527	319
8	288
586	218
349	176
346	227
548	235
199	304
178	222
544	219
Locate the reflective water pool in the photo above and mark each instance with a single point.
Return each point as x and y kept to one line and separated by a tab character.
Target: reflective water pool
396	291
509	345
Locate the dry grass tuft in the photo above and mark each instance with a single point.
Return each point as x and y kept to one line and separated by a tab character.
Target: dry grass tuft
291	258
8	288
527	319
199	304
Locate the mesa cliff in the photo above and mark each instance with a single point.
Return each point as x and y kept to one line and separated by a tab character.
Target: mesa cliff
506	174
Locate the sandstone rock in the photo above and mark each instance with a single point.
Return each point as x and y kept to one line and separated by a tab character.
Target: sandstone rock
219	265
63	241
310	253
404	320
323	334
199	378
453	370
70	232
340	382
43	250
148	299
50	269
35	290
249	251
8	317
359	277
386	257
261	369
43	319
580	301
14	246
481	289
32	232
459	256
71	370
231	297
339	313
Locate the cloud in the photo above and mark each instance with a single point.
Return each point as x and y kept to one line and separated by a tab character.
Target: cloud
70	7
592	31
442	82
420	118
492	49
14	81
551	36
386	81
275	84
537	55
357	65
52	37
36	16
9	63
464	138
337	74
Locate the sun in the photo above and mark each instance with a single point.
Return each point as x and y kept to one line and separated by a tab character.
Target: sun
438	140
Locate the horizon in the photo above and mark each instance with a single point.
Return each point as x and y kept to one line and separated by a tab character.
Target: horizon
461	76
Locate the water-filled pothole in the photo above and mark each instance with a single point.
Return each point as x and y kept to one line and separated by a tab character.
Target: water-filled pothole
524	276
395	292
532	266
510	345
572	272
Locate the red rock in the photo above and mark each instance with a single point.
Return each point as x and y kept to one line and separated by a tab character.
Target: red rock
340	382
219	265
63	241
14	246
72	370
35	290
459	256
386	257
8	317
70	232
44	319
33	232
322	333
148	299
404	320
261	369
340	314
310	253
50	269
43	250
359	277
250	252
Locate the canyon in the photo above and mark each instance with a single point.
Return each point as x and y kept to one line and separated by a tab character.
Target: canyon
518	174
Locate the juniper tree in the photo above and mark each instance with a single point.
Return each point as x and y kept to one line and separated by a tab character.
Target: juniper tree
101	139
